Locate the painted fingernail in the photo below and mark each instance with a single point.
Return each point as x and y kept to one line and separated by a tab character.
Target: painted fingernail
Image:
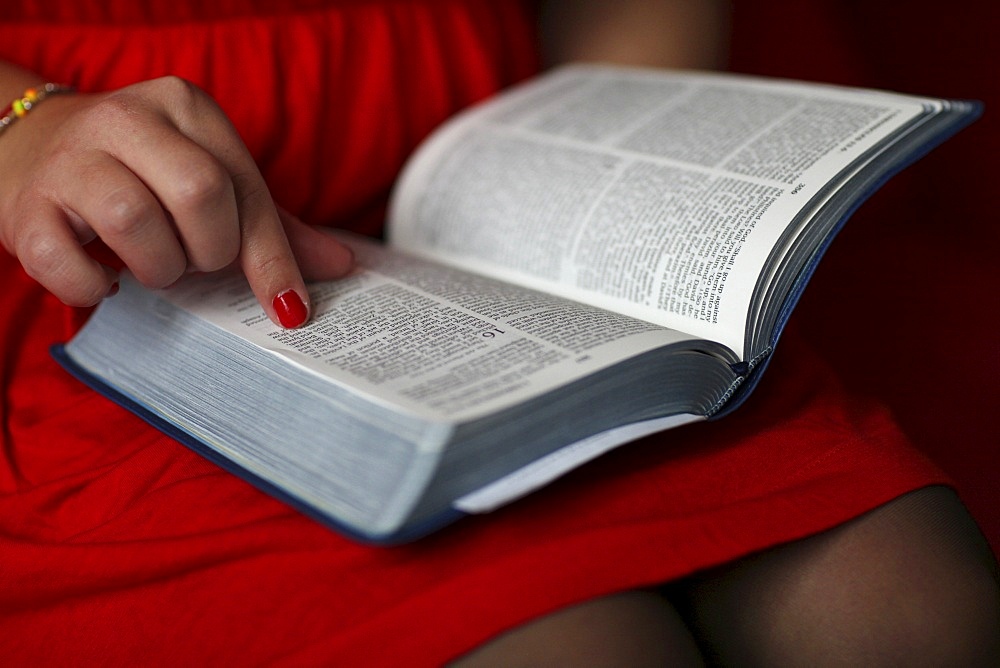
290	309
113	290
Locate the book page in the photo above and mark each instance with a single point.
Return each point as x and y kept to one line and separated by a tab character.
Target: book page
659	195
431	340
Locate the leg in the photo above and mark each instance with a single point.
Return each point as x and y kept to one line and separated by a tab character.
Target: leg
911	583
631	629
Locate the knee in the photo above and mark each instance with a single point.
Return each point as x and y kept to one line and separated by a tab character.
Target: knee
938	601
911	583
941	590
628	629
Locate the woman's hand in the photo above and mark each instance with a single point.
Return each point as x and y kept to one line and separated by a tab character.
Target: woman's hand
159	174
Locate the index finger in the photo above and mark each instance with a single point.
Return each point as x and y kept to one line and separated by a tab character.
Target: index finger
266	257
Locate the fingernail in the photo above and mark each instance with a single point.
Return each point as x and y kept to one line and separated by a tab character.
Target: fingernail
113	290
290	309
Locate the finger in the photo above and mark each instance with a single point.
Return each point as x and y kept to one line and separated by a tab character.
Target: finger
113	202
319	254
50	252
266	257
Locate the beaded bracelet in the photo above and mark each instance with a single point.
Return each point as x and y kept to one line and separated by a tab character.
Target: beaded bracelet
30	99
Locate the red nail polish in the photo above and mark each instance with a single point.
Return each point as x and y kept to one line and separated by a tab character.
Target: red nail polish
290	309
113	290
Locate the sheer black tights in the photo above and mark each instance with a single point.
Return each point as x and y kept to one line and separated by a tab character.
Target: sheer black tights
912	583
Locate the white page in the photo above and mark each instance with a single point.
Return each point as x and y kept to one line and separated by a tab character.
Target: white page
655	194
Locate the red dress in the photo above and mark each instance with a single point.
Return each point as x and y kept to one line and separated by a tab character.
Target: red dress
118	545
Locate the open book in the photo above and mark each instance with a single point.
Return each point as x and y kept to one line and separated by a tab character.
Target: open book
593	256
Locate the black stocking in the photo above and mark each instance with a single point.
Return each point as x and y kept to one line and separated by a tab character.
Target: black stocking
912	583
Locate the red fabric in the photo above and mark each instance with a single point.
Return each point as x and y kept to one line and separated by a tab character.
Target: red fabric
118	545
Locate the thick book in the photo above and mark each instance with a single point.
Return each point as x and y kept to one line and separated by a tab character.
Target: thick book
590	257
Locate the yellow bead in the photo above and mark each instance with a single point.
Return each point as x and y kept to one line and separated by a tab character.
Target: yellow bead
31	95
18	108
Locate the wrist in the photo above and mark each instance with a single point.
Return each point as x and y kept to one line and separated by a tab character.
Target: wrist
23	104
14	80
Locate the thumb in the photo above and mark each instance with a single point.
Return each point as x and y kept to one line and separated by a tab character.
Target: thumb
319	254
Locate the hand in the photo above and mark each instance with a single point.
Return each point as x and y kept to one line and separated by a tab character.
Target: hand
159	174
